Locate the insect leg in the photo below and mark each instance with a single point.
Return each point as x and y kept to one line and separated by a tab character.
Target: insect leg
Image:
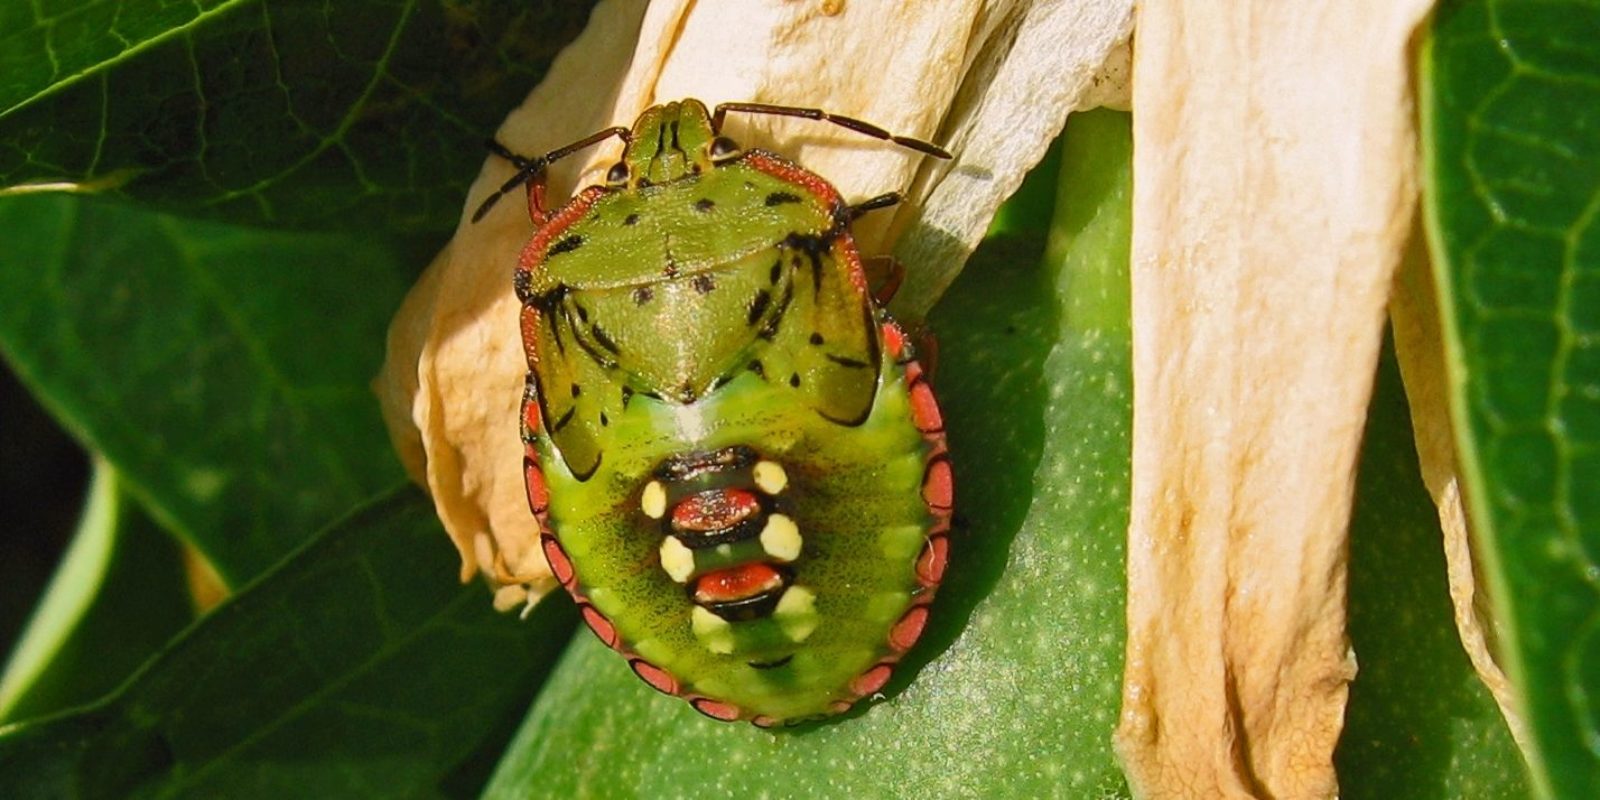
884	276
532	169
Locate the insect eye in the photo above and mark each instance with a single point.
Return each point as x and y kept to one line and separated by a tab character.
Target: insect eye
618	174
723	149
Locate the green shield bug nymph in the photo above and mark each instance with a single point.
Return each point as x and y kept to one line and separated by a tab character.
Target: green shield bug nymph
736	462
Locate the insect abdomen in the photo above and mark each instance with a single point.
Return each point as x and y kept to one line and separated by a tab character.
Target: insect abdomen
778	565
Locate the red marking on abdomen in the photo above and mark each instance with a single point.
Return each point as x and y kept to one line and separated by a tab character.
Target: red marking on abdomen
906	632
930	565
560	565
538	493
872	680
716	709
714	509
924	406
655	676
601	626
736	583
938	488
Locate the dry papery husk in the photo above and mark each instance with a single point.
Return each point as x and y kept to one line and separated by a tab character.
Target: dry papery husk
1420	350
991	80
1274	188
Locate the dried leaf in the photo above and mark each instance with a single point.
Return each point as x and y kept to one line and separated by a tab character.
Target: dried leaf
1414	312
1274	186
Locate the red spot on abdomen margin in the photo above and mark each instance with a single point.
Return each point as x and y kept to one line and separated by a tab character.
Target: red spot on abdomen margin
560	565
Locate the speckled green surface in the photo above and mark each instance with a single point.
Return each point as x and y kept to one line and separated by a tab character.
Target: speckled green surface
1419	724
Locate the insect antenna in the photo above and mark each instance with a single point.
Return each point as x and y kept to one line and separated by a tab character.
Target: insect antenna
859	126
529	168
872	204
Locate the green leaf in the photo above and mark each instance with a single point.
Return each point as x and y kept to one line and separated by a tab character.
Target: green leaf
222	370
44	477
1420	724
1511	106
1021	662
117	597
359	668
348	115
48	46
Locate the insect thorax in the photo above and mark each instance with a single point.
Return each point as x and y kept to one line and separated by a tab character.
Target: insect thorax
677	288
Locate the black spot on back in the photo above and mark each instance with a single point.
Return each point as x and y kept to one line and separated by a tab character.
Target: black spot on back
794	379
631	219
576	390
604	339
776	272
758	369
780	198
686	466
771	664
565	419
703	283
813	248
642	295
758	306
566	245
816	338
769	331
704	204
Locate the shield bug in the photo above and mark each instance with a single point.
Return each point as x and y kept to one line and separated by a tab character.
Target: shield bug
737	464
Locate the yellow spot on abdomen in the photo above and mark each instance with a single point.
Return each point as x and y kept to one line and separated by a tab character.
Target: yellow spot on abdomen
676	559
797	613
654	500
712	631
781	538
770	477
